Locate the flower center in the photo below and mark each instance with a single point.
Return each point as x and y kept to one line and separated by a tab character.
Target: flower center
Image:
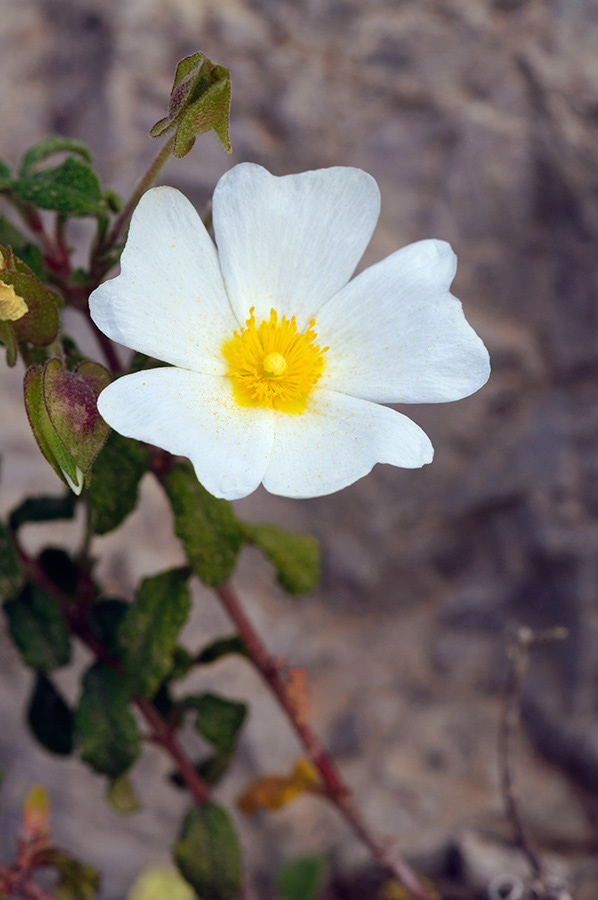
272	364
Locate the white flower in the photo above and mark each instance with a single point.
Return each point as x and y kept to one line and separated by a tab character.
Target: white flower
278	361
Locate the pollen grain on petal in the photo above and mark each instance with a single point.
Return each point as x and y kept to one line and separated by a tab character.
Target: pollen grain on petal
272	364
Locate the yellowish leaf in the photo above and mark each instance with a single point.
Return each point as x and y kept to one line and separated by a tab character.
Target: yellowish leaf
275	791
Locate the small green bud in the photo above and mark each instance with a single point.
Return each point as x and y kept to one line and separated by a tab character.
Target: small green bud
199	102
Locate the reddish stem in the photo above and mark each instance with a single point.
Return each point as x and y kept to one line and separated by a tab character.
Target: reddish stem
11	880
336	789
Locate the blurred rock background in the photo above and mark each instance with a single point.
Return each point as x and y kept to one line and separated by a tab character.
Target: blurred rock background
479	119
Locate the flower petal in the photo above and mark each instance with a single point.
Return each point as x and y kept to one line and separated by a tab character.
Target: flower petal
290	243
397	335
194	415
336	441
169	300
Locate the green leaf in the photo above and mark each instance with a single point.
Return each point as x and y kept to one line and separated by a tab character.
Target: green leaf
182	663
11	577
296	557
61	569
218	720
208	853
72	188
222	647
43	509
301	879
4	172
209	530
77	880
104	620
122	796
114	487
150	629
54	143
107	731
38	629
49	717
199	101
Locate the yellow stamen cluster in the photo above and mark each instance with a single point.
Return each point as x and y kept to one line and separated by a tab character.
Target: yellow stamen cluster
272	364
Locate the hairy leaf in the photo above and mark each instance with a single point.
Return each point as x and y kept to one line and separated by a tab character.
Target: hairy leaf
77	880
38	629
104	620
107	731
50	146
49	717
150	629
11	578
218	720
43	509
199	101
72	188
301	879
296	557
208	853
114	487
209	530
222	647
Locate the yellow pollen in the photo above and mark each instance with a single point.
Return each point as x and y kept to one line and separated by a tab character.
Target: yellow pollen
273	364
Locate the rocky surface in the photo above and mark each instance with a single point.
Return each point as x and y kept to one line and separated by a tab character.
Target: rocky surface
479	120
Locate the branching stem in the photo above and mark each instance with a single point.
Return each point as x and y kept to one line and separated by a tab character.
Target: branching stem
335	788
11	880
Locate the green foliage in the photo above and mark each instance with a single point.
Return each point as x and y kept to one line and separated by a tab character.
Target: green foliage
208	528
208	853
114	488
50	146
182	663
301	879
149	630
71	188
4	173
43	509
104	620
107	731
30	254
296	557
49	717
218	720
38	629
76	880
122	797
222	647
60	569
11	577
199	102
